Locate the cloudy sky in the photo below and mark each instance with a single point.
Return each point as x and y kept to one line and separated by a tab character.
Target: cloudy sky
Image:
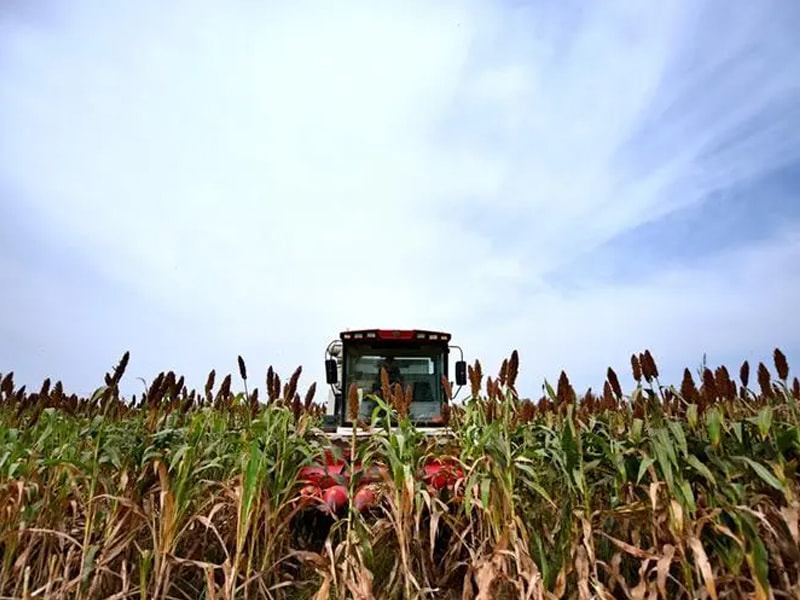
191	181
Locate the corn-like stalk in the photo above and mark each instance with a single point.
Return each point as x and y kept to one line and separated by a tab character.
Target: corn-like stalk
668	492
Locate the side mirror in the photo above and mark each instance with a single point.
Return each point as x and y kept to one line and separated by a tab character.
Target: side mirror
461	372
331	371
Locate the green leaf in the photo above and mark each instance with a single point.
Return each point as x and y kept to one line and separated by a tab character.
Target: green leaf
756	552
688	495
701	468
577	476
526	468
470	485
550	391
762	471
665	443
680	437
737	431
664	463
251	478
761	561
88	566
646	462
764	421
714	425
485	486
691	416
636	430
177	456
591	465
789	440
98	392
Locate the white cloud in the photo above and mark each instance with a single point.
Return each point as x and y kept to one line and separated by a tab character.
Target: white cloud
272	176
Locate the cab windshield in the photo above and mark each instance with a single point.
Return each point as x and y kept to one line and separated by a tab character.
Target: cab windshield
421	368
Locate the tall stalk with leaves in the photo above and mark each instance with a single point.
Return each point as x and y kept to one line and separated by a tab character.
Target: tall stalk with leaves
671	491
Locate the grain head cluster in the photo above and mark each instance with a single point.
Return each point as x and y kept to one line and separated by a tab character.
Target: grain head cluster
668	491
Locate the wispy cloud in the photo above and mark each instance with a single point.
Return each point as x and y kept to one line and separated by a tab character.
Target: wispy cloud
209	181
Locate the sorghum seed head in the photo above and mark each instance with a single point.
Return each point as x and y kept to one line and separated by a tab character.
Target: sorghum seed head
292	386
501	378
722	381
352	401
310	395
513	369
564	392
744	373
651	364
764	380
448	392
612	379
709	385
781	366
636	368
385	389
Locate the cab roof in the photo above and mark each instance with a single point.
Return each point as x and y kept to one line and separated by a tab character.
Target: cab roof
403	335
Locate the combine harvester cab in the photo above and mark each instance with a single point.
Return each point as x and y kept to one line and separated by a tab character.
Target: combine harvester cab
416	358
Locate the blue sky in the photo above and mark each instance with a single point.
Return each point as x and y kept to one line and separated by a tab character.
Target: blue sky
191	181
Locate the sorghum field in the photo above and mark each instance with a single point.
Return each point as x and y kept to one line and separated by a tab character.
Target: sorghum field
686	491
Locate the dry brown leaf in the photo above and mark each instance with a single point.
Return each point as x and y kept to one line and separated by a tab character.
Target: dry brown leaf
663	566
561	583
529	578
409	496
582	568
616	575
588	540
125	580
639	592
324	591
632	550
761	517
726	531
676	516
316	559
701	558
791	515
434	528
230	581
654	495
195	563
207	522
485	576
467	589
211	587
359	580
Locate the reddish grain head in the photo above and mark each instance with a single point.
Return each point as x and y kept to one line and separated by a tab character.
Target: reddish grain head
781	366
744	373
242	368
564	392
764	380
352	402
513	369
614	381
636	367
